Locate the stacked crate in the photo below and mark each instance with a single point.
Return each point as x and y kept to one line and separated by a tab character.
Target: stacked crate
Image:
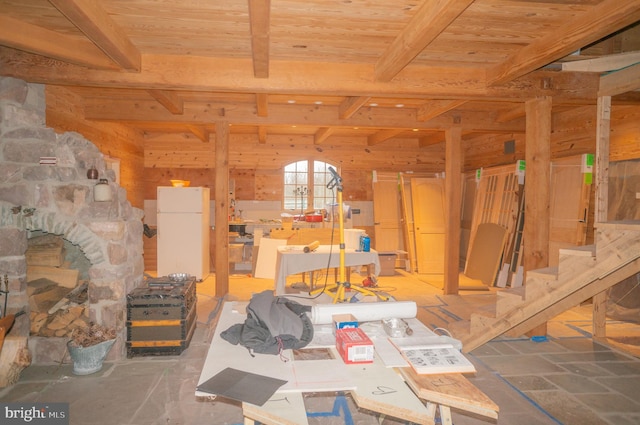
161	317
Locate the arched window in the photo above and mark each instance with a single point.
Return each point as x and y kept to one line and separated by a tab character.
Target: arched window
305	185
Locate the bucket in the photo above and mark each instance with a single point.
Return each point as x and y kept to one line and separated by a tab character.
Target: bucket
88	360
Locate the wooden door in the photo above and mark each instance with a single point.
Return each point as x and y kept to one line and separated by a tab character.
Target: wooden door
569	206
387	212
429	224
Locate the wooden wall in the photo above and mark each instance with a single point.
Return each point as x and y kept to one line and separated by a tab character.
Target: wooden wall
64	113
573	133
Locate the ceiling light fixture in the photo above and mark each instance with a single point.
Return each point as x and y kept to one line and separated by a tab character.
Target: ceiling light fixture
291	101
399	105
318	102
373	104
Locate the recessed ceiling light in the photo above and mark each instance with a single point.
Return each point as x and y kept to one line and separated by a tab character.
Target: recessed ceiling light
373	104
399	105
356	128
415	129
293	126
318	102
291	101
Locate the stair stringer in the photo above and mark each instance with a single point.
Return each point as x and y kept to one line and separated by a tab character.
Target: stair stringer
617	257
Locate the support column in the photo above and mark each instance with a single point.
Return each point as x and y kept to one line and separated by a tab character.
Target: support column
222	208
453	206
603	129
537	188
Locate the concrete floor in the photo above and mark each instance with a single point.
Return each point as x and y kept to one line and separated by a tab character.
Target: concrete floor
569	379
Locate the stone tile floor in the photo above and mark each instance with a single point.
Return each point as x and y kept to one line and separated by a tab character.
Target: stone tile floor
569	379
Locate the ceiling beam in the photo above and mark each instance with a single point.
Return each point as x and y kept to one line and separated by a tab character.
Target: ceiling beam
517	111
41	41
200	132
622	81
126	111
322	135
98	26
259	17
383	136
426	24
431	139
435	108
262	134
308	78
172	102
600	21
603	63
350	106
262	104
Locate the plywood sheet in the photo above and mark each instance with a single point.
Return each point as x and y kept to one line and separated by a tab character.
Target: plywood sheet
486	253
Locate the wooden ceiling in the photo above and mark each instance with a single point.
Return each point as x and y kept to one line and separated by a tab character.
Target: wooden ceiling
369	68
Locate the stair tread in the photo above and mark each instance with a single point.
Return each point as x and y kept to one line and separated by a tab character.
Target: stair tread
544	272
581	250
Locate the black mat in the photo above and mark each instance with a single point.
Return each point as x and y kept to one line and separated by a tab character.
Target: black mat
242	386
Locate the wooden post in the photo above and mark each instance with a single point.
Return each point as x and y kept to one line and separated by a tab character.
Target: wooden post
222	208
453	206
603	129
537	188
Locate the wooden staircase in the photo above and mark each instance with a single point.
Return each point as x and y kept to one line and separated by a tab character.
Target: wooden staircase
582	272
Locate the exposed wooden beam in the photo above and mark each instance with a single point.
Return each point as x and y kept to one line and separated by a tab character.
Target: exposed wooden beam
426	24
221	220
511	114
322	135
324	116
537	183
603	63
199	131
383	136
603	135
172	102
600	21
262	104
41	41
454	158
431	139
259	12
618	82
262	134
435	108
96	24
350	106
309	78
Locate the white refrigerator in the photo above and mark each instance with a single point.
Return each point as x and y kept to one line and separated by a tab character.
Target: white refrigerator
183	231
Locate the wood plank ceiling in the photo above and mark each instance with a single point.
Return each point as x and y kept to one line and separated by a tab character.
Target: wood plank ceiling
377	69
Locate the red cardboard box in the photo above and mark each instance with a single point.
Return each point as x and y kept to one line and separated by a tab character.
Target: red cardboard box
354	345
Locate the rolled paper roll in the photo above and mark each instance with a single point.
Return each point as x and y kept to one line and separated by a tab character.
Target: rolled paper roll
322	314
312	246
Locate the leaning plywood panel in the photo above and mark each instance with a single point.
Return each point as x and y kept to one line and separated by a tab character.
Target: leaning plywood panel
485	254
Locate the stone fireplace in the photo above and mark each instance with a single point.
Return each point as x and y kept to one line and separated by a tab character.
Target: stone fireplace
44	188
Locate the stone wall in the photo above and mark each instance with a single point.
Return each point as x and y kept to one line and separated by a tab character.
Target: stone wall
58	199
